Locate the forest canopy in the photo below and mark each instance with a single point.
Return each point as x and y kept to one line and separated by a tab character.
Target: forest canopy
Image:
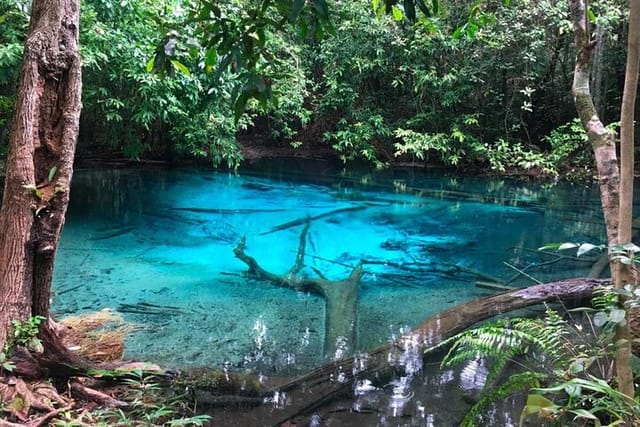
469	83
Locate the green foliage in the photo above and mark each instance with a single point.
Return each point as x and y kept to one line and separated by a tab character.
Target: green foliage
13	23
236	38
151	404
392	82
138	112
459	145
26	333
549	355
589	399
353	140
5	363
503	156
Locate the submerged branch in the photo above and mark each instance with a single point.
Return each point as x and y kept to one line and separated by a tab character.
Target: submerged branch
340	296
311	390
306	219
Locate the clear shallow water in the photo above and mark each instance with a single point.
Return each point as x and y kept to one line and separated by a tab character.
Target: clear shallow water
157	245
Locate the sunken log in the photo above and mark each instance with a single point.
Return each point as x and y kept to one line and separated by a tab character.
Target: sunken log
325	383
340	296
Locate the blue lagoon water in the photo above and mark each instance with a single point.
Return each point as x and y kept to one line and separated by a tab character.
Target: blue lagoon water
157	245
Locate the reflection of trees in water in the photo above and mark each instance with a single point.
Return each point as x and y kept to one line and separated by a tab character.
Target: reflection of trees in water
117	195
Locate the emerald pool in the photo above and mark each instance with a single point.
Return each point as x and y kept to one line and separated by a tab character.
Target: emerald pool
156	245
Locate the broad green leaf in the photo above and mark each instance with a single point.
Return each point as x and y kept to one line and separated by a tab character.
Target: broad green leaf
617	315
577	366
181	67
536	402
631	247
240	105
583	413
573	390
150	64
471	30
600	318
625	260
592	16
397	13
584	248
211	57
507	2
52	173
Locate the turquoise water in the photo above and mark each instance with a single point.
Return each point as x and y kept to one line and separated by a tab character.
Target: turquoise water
157	245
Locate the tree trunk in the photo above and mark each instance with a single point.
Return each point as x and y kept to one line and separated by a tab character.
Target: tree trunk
624	273
616	193
40	162
601	139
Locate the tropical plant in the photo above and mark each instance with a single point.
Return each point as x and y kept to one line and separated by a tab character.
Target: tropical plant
567	360
150	403
14	19
26	333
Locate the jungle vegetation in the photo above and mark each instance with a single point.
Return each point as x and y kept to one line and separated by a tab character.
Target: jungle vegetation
487	84
480	84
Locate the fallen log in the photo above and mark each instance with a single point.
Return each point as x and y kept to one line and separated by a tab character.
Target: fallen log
325	383
340	296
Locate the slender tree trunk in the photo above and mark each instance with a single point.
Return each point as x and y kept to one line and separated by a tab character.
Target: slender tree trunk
601	139
597	73
40	162
624	274
616	194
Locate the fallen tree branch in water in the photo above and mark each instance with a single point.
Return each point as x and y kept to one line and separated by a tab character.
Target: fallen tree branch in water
340	296
325	383
307	219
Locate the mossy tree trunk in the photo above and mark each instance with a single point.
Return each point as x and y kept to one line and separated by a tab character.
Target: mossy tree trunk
624	274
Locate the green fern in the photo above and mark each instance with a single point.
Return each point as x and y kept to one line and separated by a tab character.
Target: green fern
515	383
543	349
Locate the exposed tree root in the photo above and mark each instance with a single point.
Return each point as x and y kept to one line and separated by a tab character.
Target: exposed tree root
81	342
96	396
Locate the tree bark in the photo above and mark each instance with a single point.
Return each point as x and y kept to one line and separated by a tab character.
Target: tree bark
601	139
40	162
616	192
624	274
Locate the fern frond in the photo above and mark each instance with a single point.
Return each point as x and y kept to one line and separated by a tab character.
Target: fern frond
493	341
515	383
604	298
